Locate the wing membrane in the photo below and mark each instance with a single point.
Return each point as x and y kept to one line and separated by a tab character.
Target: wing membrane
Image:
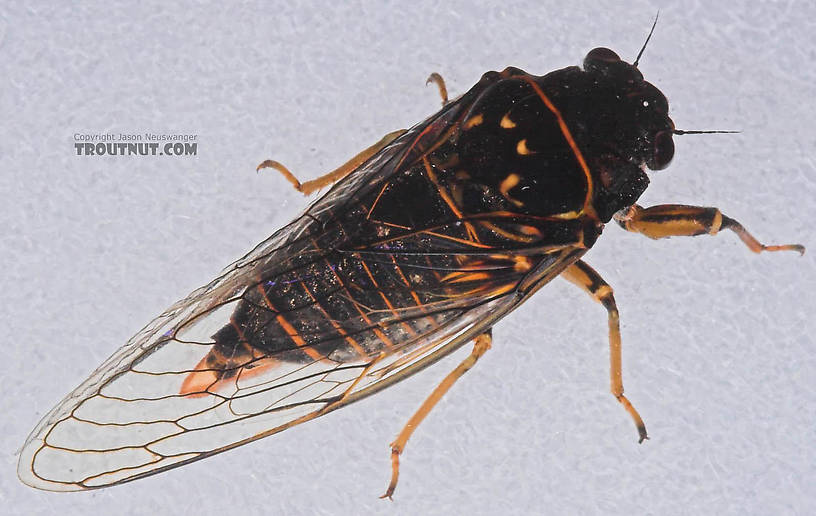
118	427
349	298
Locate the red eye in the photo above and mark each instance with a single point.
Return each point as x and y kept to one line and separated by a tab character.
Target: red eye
662	152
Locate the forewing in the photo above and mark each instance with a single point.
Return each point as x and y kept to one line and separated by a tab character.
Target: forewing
118	429
129	418
344	301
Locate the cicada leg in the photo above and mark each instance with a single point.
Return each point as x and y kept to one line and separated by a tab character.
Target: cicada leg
440	83
365	372
585	277
336	174
480	346
666	220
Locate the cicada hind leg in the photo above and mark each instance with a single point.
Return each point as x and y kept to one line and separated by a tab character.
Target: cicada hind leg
351	165
480	347
590	281
337	174
440	83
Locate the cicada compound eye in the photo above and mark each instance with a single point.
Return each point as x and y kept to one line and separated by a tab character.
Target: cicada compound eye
662	151
600	57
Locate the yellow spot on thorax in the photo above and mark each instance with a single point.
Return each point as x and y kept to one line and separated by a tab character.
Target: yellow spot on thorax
522	149
474	121
568	215
508	184
506	123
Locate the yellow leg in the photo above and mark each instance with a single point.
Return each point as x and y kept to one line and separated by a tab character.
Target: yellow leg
665	220
336	174
481	345
440	83
590	281
366	370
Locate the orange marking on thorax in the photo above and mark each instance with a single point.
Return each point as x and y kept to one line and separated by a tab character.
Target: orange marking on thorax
524	238
507	184
521	148
448	200
473	121
430	233
588	209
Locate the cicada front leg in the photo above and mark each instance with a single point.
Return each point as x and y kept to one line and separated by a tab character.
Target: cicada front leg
591	282
666	220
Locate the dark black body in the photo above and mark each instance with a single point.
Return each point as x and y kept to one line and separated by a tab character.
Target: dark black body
409	242
420	249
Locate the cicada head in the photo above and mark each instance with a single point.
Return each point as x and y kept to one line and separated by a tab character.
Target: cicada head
631	116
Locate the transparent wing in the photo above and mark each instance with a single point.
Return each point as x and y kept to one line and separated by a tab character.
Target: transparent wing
150	407
133	418
128	420
354	295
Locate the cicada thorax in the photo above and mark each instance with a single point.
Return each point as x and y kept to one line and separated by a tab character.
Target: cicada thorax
619	121
515	155
572	143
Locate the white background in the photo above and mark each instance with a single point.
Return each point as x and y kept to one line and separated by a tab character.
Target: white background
718	343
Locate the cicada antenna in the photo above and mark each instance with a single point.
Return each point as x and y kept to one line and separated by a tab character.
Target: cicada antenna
681	132
637	59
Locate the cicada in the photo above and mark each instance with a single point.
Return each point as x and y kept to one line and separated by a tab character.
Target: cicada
424	242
